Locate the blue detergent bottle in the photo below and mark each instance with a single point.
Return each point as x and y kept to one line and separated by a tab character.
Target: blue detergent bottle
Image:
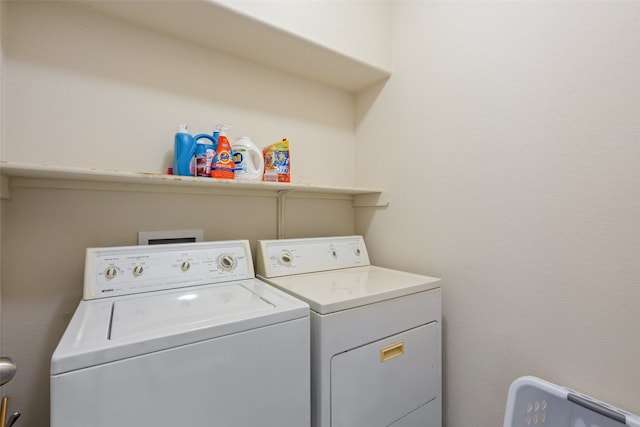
183	153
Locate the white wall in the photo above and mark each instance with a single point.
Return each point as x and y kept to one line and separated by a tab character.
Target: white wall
359	29
507	138
83	90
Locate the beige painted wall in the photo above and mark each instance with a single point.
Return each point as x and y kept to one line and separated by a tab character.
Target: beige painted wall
2	181
358	29
508	137
84	90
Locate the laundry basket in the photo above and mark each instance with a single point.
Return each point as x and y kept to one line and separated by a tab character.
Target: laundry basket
533	402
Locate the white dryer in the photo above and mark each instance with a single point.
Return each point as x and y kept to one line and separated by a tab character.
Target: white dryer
375	332
181	335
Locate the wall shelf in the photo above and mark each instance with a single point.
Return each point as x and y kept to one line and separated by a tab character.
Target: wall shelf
50	176
218	27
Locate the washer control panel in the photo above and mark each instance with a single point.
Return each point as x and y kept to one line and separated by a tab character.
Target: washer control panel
285	257
135	269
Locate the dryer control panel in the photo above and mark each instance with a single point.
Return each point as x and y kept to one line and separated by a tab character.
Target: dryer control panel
277	258
135	269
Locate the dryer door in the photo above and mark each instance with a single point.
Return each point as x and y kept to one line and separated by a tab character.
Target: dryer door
376	384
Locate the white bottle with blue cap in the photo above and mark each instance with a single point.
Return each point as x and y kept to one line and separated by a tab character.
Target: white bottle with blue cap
248	160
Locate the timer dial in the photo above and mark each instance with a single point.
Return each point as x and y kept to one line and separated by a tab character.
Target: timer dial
110	273
227	262
285	258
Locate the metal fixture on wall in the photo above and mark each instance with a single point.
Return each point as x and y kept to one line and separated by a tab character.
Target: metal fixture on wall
7	370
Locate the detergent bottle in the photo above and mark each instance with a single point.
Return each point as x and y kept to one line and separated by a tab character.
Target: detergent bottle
222	163
183	152
205	150
247	159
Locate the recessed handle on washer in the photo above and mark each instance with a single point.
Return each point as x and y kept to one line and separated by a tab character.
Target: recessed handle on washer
391	351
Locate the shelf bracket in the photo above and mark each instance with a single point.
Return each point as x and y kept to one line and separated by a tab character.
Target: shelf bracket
371	200
281	220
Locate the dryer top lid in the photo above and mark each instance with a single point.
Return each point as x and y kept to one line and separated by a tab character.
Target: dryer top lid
331	291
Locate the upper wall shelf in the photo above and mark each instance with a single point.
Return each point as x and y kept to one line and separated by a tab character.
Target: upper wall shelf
48	176
210	24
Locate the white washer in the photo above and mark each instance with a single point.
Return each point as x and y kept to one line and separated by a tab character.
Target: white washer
375	332
181	335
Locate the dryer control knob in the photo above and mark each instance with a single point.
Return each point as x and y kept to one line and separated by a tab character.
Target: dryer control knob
138	270
285	258
185	266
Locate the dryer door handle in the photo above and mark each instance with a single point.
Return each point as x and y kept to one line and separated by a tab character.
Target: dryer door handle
391	351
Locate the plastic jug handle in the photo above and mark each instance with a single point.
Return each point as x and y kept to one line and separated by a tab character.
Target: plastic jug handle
257	161
206	136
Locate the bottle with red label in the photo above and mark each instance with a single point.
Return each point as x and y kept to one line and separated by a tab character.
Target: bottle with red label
222	165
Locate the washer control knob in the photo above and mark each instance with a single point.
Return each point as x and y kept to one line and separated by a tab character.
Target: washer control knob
138	270
227	262
357	251
110	273
334	254
285	258
185	266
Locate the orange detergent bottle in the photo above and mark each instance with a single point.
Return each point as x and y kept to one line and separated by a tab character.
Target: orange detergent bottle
222	165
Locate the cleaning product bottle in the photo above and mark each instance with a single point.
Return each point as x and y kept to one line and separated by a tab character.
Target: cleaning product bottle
205	150
247	159
222	163
184	149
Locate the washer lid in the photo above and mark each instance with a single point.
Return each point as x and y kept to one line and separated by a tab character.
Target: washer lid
111	329
331	291
173	311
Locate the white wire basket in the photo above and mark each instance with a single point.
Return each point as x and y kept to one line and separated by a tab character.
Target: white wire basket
533	402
